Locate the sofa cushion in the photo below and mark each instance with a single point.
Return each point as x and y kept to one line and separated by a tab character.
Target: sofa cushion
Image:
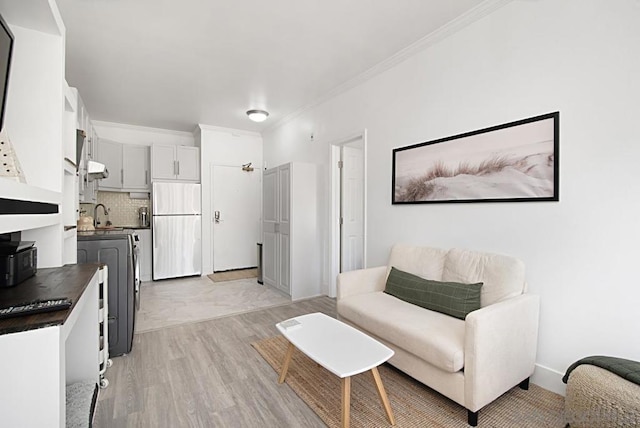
429	335
426	262
502	276
450	298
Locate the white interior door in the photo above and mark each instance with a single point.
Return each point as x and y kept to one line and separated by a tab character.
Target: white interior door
236	217
352	209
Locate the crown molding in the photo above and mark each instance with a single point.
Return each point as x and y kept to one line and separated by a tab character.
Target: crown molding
233	131
141	128
483	9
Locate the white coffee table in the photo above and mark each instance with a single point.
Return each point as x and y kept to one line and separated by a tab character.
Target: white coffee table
339	348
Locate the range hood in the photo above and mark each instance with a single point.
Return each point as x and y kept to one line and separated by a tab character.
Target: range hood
96	171
80	136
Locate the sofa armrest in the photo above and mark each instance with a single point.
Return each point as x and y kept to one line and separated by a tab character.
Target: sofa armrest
361	281
500	348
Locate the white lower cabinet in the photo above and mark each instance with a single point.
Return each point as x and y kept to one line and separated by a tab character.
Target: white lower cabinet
290	244
145	253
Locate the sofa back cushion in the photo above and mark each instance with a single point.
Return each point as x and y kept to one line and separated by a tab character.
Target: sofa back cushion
426	262
502	276
450	298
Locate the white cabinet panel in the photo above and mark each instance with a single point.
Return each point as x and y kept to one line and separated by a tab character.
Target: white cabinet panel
145	253
188	159
135	165
110	154
128	166
290	246
163	165
175	163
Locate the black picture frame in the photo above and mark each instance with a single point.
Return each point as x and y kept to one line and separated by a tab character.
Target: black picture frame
512	162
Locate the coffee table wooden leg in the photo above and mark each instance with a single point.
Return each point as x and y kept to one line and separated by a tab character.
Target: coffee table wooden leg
285	364
383	395
346	401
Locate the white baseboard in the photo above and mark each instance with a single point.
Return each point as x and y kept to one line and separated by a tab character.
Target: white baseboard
549	379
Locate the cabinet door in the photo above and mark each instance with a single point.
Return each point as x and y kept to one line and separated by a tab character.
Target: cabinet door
145	254
163	166
135	165
110	154
269	227
284	228
188	163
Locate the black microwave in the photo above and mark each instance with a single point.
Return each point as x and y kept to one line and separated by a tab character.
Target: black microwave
18	262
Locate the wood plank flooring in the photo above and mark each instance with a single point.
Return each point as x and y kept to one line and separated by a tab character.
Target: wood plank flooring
178	301
206	374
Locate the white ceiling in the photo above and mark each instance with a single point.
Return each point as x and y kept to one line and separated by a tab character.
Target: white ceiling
173	64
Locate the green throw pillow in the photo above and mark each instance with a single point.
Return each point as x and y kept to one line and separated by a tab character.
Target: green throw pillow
450	298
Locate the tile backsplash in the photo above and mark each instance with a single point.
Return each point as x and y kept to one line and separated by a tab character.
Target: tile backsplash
123	210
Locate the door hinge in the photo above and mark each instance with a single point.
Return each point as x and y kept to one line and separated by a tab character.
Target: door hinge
341	221
340	164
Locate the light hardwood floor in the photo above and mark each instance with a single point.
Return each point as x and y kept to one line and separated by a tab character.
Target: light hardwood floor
178	301
206	374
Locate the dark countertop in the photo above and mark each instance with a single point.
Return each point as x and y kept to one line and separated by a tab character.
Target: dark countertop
115	232
91	235
66	281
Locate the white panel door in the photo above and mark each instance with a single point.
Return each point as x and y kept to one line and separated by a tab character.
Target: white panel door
269	225
352	207
236	222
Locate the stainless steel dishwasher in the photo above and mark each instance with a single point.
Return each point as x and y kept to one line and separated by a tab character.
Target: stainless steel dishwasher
117	249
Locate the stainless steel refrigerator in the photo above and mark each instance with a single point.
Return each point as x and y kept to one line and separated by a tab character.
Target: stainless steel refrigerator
177	230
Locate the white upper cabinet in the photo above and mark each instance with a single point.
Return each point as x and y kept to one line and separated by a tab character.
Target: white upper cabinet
181	163
110	154
135	167
188	159
128	166
163	165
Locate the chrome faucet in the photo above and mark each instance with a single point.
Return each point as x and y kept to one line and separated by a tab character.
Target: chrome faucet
95	215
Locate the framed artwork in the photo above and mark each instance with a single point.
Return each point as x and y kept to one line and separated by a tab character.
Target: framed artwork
513	162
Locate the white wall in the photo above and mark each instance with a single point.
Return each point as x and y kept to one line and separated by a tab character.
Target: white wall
228	147
131	134
527	58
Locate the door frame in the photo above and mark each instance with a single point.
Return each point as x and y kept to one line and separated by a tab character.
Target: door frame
334	218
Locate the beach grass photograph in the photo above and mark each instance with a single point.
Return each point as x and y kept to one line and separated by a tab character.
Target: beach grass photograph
516	161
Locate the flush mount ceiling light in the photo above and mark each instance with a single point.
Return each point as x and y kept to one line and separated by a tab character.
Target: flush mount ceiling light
257	115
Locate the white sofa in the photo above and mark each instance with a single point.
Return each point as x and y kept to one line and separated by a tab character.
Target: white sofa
471	361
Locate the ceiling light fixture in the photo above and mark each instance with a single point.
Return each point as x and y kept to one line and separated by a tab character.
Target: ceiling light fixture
257	115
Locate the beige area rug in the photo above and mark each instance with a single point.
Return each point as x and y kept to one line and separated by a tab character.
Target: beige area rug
413	404
232	275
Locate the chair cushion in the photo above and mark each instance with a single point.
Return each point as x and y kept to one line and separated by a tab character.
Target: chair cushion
502	276
431	336
450	298
426	262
